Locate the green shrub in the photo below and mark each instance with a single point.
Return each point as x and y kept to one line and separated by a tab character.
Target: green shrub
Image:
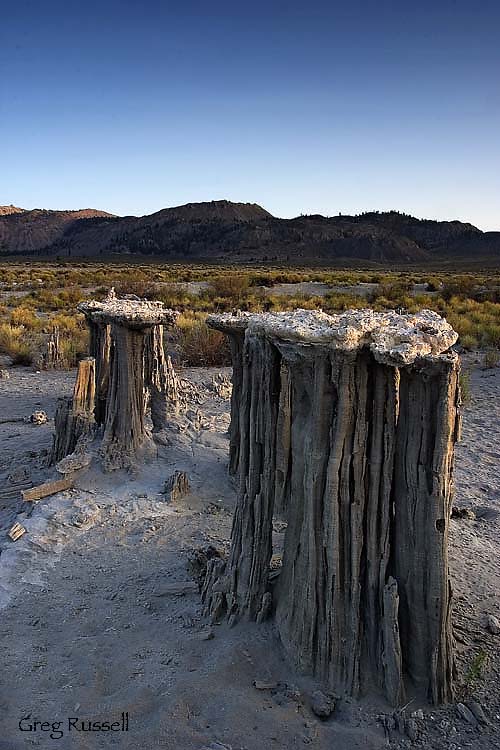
476	668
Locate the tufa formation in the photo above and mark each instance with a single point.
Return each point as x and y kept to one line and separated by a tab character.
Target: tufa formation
344	426
127	368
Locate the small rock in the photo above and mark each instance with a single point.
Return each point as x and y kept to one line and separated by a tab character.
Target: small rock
84	518
323	705
198	561
4	375
467	513
18	475
492	624
292	692
466	714
176	486
477	710
178	588
206	635
74	462
411	729
264	685
38	417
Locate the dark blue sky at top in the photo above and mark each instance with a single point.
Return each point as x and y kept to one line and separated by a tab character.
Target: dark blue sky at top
301	107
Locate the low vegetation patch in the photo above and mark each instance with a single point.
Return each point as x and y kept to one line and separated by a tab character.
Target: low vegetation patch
465	387
197	345
36	297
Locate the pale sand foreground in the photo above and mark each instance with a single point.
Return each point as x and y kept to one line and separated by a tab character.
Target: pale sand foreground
90	629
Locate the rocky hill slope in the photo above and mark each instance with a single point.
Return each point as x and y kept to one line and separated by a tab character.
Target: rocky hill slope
6	210
29	232
242	232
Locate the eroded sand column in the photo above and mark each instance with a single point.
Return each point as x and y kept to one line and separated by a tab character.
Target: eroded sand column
234	327
100	349
74	418
161	380
127	335
346	427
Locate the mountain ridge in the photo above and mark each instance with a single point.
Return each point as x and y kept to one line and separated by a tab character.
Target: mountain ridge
226	230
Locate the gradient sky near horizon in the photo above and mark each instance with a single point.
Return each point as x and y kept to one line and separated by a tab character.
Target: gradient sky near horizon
302	107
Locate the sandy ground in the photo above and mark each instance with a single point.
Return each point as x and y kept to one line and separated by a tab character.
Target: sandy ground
91	627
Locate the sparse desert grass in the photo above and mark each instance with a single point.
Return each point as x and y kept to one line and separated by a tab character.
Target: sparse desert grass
24	334
231	285
491	358
25	316
478	322
38	296
74	347
140	288
476	669
465	388
16	343
197	345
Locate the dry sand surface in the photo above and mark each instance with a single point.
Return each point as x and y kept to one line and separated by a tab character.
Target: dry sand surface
92	625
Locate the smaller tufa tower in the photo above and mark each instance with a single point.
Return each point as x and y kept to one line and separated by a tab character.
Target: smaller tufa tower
129	367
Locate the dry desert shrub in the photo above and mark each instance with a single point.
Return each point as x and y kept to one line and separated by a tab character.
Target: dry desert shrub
16	343
470	302
234	286
465	387
491	358
25	316
177	297
141	288
337	302
197	345
25	335
468	342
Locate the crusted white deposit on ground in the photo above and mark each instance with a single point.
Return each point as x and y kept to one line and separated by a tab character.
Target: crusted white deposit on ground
100	615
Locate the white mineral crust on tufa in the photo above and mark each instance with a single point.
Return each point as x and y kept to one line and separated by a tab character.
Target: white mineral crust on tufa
128	312
395	339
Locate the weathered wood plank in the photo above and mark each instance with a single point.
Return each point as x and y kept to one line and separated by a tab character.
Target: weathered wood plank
46	489
16	532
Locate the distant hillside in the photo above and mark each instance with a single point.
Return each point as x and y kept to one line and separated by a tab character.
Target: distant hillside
242	232
29	232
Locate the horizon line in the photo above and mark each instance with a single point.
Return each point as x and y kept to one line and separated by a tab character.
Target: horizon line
246	203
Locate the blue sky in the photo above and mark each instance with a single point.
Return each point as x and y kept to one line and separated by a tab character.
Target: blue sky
304	107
